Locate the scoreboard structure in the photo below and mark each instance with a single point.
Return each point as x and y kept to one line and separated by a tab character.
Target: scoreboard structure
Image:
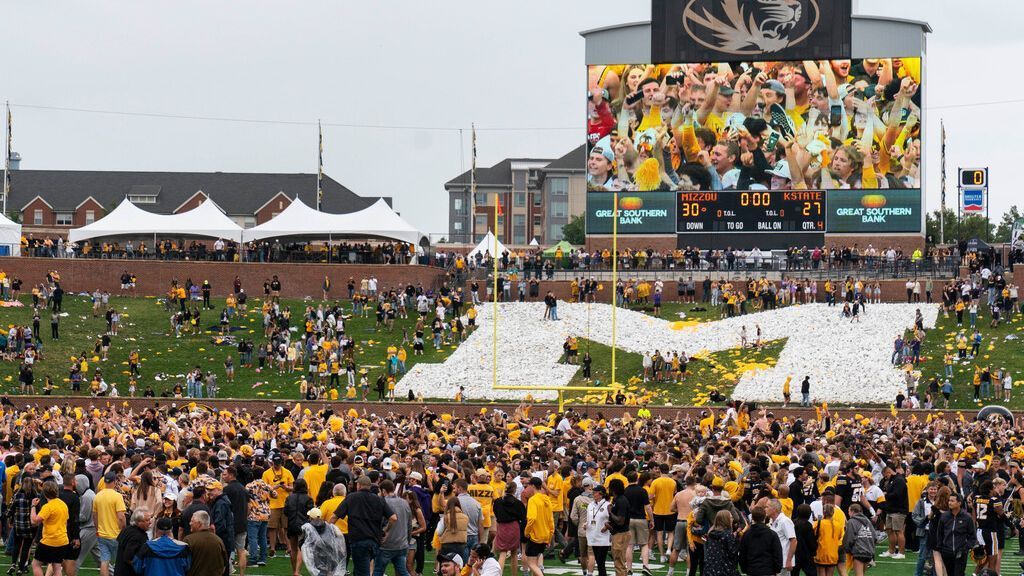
893	213
766	219
750	211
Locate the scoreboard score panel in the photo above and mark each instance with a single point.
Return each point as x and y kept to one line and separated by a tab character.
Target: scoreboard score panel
751	211
974	177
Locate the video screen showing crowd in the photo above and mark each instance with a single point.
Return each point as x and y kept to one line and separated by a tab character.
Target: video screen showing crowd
817	125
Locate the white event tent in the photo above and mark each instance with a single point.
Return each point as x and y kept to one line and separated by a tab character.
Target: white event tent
486	246
10	235
127	219
375	221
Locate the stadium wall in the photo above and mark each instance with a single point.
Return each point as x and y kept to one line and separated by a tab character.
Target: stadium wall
301	280
154	276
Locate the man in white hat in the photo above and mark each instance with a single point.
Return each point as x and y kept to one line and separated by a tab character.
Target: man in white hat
600	165
782	179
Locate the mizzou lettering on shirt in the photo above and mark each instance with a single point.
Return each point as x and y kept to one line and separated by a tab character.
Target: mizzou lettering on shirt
850	490
481	491
484	495
844	491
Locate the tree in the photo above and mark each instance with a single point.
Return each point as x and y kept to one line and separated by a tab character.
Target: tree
970	226
1006	224
574	232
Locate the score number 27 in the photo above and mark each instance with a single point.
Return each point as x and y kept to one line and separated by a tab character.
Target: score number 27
811	209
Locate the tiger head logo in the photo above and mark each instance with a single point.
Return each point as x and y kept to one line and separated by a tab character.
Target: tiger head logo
750	27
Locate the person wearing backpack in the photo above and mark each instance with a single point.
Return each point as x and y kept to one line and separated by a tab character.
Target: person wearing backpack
712	505
760	550
859	539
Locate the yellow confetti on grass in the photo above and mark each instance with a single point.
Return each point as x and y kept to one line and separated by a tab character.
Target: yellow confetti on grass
688	325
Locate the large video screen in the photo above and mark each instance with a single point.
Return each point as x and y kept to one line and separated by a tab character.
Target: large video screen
807	125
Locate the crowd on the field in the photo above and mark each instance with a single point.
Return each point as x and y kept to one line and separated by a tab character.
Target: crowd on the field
182	489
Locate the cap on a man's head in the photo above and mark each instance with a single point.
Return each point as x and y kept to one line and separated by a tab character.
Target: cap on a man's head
775	86
450	557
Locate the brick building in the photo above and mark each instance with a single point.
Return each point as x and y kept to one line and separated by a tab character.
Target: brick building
538	197
50	202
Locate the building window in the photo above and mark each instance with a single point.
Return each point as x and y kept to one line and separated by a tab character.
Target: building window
519	199
554	232
559	207
245	221
501	222
559	186
142	198
483	199
519	229
65	218
90	216
457	226
37	217
457	205
538	198
481	226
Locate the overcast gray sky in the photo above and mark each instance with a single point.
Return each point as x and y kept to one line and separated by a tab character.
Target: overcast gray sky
402	62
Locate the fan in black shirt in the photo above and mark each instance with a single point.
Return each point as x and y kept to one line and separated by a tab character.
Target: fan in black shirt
367	514
618	516
849	488
802	491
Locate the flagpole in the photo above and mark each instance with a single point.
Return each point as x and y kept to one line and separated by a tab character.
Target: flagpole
615	275
942	205
472	189
7	158
319	167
